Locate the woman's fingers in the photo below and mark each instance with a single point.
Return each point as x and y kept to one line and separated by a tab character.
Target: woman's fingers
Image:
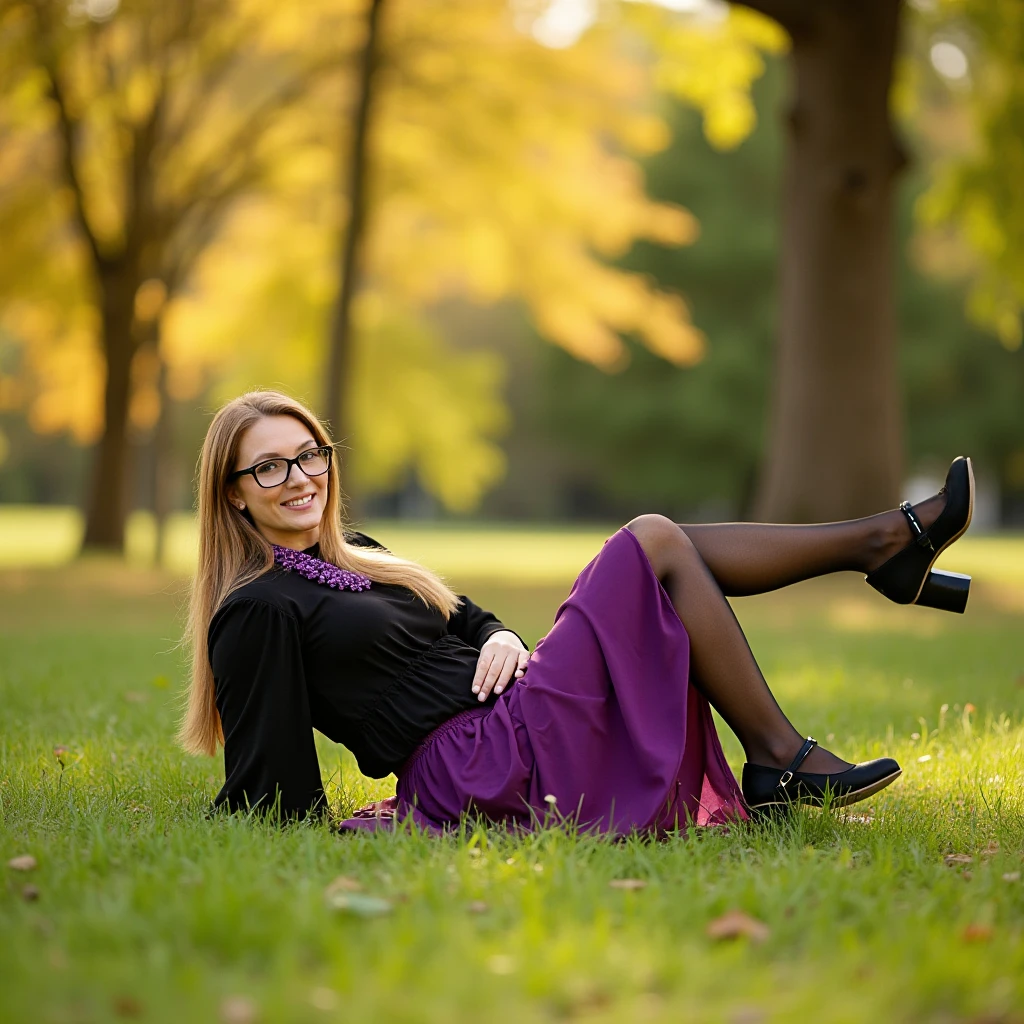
498	674
496	665
500	670
483	664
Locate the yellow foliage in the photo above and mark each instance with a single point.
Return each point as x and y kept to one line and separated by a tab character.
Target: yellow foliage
972	216
499	170
710	59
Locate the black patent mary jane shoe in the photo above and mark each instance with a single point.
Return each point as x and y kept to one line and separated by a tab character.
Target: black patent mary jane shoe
908	577
767	791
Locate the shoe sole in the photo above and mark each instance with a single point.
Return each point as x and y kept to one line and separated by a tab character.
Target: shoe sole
845	800
952	540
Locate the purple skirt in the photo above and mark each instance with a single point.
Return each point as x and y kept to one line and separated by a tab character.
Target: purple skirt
603	730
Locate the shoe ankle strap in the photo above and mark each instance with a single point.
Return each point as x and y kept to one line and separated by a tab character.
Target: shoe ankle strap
787	776
920	533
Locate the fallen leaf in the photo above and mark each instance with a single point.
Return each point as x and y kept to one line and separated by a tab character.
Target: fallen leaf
736	924
969	709
953	859
966	875
477	907
343	884
992	848
26	862
629	884
29	893
237	1010
358	904
127	1006
976	933
1011	876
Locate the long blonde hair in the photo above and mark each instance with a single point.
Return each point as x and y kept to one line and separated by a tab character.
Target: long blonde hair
232	552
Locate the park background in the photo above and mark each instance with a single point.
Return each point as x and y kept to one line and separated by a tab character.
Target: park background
543	265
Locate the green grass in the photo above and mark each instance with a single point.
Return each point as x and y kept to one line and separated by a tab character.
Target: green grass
148	910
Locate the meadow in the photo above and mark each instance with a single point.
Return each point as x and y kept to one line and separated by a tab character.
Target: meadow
909	907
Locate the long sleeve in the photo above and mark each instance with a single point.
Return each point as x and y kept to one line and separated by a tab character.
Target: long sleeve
474	625
269	753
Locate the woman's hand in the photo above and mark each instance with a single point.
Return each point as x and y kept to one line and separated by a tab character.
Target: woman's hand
502	657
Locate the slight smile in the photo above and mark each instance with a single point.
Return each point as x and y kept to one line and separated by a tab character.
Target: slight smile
298	502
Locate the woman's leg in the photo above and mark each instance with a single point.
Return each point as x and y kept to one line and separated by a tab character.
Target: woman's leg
752	558
722	664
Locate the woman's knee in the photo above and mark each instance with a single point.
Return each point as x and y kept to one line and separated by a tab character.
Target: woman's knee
661	539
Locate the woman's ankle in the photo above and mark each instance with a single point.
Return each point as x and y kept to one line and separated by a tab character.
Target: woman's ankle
780	752
773	751
890	532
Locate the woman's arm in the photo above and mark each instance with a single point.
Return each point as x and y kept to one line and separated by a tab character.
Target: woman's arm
476	626
269	754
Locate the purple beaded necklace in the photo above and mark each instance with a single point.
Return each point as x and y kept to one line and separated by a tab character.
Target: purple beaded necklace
319	571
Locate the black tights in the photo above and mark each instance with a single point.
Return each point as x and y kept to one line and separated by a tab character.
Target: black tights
700	565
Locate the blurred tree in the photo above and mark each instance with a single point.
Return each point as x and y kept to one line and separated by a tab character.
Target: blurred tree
339	356
133	129
970	100
688	441
836	437
495	168
500	168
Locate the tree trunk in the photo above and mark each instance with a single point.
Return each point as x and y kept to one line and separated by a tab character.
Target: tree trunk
835	446
165	469
108	500
340	351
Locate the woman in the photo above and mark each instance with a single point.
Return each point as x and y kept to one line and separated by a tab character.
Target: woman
295	625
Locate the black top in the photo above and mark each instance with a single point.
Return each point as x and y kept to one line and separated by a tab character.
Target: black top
376	670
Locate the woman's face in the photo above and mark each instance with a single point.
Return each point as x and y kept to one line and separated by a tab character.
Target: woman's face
289	513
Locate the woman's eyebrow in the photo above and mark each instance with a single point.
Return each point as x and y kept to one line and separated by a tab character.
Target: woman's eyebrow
277	455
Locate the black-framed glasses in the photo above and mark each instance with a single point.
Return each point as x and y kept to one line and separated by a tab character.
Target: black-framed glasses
274	472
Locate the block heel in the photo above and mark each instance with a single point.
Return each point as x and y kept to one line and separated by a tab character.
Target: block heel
947	591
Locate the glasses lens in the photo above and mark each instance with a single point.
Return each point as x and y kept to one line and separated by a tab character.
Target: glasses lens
271	473
315	462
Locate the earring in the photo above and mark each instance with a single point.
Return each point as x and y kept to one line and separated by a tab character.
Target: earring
241	506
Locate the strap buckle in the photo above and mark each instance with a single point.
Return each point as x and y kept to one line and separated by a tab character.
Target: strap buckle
787	776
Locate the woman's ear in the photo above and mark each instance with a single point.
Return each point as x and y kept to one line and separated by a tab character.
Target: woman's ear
235	498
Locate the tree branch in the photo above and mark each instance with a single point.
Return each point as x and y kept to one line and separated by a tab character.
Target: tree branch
238	149
68	130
